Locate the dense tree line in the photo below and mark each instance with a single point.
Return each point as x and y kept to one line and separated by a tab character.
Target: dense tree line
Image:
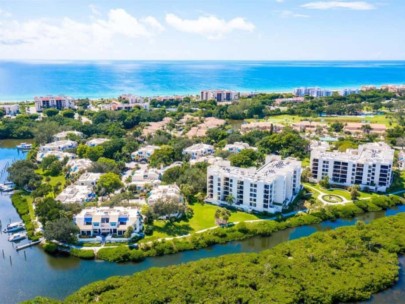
347	264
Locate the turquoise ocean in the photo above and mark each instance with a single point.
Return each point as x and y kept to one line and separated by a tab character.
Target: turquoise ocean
93	79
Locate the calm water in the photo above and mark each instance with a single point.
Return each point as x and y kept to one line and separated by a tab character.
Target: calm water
32	273
24	80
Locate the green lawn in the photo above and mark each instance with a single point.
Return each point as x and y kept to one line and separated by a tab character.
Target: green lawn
203	218
389	121
53	179
341	192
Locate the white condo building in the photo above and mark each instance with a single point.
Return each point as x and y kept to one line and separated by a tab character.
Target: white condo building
104	220
60	145
269	188
369	166
144	153
219	95
65	134
10	109
236	147
58	102
136	100
165	192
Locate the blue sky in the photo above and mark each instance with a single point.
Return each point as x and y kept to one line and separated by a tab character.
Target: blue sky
202	29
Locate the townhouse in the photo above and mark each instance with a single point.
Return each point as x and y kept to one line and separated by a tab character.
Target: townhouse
60	145
144	153
198	150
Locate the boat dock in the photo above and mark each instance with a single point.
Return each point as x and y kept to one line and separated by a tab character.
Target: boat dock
18	248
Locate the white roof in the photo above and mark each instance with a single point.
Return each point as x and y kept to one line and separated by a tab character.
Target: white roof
198	147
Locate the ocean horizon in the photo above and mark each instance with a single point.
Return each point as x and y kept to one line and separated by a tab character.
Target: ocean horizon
23	80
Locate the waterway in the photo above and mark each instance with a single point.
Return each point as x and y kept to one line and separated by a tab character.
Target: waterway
32	272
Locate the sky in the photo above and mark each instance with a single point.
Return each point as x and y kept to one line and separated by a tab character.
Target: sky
202	30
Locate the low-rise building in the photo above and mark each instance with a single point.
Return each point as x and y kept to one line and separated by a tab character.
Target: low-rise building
79	165
144	153
309	126
63	135
59	155
359	128
366	88
219	95
10	109
202	128
164	193
199	150
142	178
60	145
262	126
369	166
267	189
88	179
76	194
108	221
58	102
135	100
96	141
153	127
236	147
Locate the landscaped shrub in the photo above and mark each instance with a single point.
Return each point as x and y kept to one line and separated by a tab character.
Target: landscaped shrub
83	254
50	247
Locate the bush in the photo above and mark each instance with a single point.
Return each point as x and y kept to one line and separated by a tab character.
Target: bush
83	254
50	247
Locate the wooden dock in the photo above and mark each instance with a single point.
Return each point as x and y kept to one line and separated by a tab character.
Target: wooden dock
18	248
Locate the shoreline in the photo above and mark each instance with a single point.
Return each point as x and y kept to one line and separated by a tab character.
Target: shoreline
111	95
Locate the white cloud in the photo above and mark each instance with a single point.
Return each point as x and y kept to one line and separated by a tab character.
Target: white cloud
67	31
209	26
353	5
291	14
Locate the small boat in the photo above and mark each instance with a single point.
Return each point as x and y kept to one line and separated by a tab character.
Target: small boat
17	237
24	146
6	188
14	227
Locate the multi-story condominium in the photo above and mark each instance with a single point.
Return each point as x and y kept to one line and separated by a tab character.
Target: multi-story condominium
63	135
369	166
313	92
269	188
165	192
136	100
58	102
347	92
144	153
96	141
107	221
79	165
60	145
59	155
236	147
219	95
10	109
199	150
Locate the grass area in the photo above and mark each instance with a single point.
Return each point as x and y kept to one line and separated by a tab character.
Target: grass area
203	217
341	192
53	179
389	121
29	198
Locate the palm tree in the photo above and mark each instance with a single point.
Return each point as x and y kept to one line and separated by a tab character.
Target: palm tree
230	199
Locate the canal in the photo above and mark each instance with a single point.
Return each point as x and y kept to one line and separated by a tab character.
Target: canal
32	272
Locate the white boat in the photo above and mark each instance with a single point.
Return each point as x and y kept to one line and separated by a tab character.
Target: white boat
24	146
13	227
17	237
6	188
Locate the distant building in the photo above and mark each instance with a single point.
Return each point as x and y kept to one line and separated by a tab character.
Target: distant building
369	166
165	192
60	155
79	165
347	92
309	126
269	188
368	88
313	92
96	142
357	128
144	153
262	126
202	128
60	145
108	221
219	95
236	147
136	100
153	127
279	101
63	135
76	194
10	109
57	102
198	150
